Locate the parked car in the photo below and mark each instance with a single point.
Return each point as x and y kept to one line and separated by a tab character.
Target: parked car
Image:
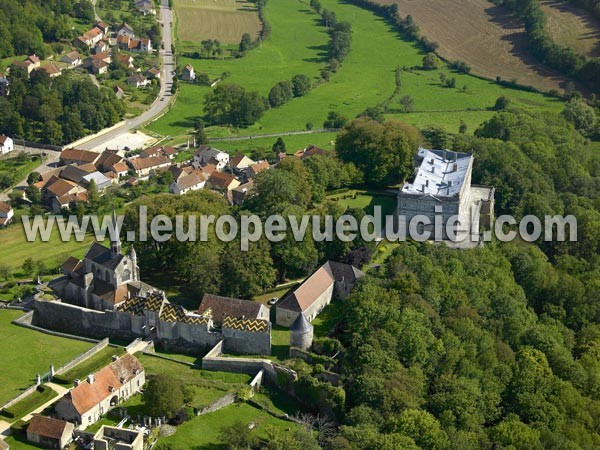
273	301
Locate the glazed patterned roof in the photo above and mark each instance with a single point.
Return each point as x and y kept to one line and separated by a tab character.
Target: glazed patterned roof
253	325
169	312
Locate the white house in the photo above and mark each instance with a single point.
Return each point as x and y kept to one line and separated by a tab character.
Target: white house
209	155
6	145
187	183
92	398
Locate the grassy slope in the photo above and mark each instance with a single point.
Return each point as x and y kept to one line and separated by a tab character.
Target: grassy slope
204	431
365	79
15	248
24	353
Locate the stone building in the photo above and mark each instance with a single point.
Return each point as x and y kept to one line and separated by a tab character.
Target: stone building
113	438
442	187
301	333
90	399
102	296
50	433
331	280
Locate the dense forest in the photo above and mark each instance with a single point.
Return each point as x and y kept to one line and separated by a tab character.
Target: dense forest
31	26
492	348
496	347
56	111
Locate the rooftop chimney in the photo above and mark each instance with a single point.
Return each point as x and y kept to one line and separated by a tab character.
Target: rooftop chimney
76	382
90	378
115	358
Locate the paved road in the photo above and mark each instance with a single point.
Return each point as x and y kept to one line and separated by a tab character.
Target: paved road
50	162
166	82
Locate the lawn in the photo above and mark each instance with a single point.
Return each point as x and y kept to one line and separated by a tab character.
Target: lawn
328	318
90	365
204	431
365	79
16	248
26	353
153	365
366	200
18	167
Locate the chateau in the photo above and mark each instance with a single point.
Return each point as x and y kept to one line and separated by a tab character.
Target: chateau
442	187
102	296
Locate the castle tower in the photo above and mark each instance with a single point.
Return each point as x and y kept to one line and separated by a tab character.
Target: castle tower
115	245
301	333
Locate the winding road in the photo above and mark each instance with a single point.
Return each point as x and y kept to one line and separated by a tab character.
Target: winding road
166	82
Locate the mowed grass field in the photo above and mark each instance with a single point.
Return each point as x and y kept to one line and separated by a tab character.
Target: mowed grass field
298	45
572	27
25	352
16	248
224	20
485	36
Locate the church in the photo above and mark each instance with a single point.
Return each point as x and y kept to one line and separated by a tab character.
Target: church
104	277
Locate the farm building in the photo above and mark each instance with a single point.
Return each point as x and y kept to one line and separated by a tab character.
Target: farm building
331	280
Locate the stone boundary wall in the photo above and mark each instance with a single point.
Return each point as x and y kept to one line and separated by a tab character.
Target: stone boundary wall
273	372
26	319
102	132
167	358
221	403
30	390
78	359
88	354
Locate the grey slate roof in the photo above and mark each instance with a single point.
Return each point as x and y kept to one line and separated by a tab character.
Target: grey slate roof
301	324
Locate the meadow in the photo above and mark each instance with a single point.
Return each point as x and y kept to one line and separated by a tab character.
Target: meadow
365	79
16	248
224	20
26	353
204	431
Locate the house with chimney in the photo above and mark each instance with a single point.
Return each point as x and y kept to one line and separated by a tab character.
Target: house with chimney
93	397
144	166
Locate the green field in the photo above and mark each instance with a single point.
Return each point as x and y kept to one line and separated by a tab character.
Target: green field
16	248
26	353
365	79
204	430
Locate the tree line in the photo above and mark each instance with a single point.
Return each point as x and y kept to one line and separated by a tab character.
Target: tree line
561	58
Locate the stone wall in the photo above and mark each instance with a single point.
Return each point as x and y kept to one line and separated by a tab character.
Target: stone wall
249	342
173	336
91	352
221	403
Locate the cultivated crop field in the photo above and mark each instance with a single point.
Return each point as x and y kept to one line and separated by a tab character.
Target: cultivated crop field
485	36
572	27
224	20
